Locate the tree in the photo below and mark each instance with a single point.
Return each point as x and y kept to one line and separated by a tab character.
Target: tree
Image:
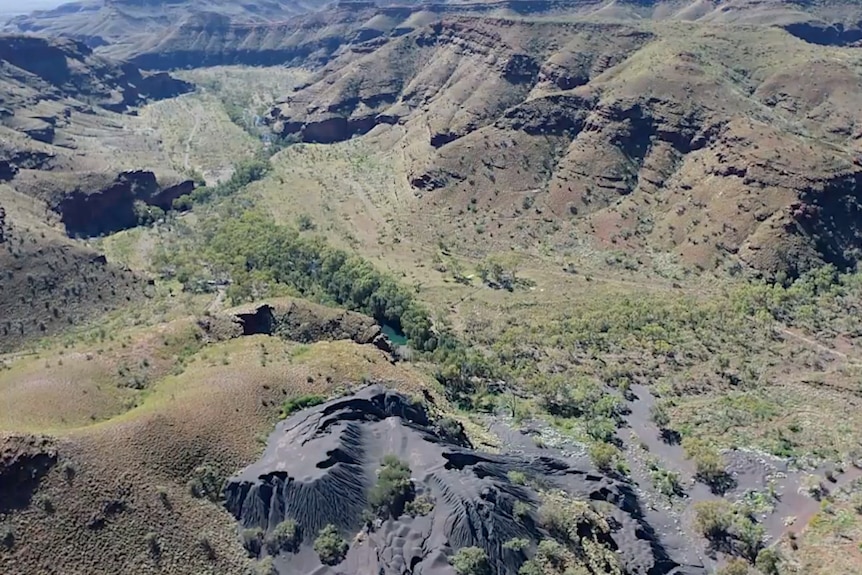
709	465
285	537
471	561
713	519
393	488
330	546
767	561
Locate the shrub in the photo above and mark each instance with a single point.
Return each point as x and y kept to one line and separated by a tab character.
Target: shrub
604	456
517	544
422	505
666	482
305	223
252	540
517	477
713	519
659	416
294	404
709	465
206	546
7	536
748	535
451	429
767	561
393	487
285	537
206	483
265	566
330	546
45	503
569	519
553	553
152	542
729	527
520	510
471	561
162	494
734	567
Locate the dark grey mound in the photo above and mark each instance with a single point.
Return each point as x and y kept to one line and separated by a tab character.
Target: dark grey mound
321	463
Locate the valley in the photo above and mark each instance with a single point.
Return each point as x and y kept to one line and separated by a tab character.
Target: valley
531	288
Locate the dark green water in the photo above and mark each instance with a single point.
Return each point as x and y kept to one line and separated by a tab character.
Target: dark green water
396	336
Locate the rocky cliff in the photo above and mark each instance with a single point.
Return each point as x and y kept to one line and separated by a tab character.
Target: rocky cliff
93	204
66	68
56	98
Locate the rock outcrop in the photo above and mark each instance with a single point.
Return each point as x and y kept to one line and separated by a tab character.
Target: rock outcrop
297	320
94	204
648	154
66	68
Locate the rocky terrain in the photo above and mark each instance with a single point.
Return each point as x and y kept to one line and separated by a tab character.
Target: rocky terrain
614	244
644	137
214	32
321	464
64	174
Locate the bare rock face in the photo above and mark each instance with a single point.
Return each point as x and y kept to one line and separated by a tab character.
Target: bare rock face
321	464
98	203
300	321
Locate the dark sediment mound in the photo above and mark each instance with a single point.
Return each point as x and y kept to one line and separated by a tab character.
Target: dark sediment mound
321	465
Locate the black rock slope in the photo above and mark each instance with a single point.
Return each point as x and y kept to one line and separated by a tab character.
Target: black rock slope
321	463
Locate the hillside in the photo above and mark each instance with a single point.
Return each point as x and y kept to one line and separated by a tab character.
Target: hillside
687	139
163	35
67	172
551	287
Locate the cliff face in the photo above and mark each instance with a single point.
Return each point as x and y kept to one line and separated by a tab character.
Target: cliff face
93	204
55	94
70	68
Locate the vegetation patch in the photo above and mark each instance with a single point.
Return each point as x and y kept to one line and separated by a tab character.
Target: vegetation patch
285	537
294	404
729	528
393	489
262	258
471	561
330	546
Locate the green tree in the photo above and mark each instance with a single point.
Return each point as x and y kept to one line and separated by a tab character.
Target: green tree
330	546
393	487
285	537
767	561
471	561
